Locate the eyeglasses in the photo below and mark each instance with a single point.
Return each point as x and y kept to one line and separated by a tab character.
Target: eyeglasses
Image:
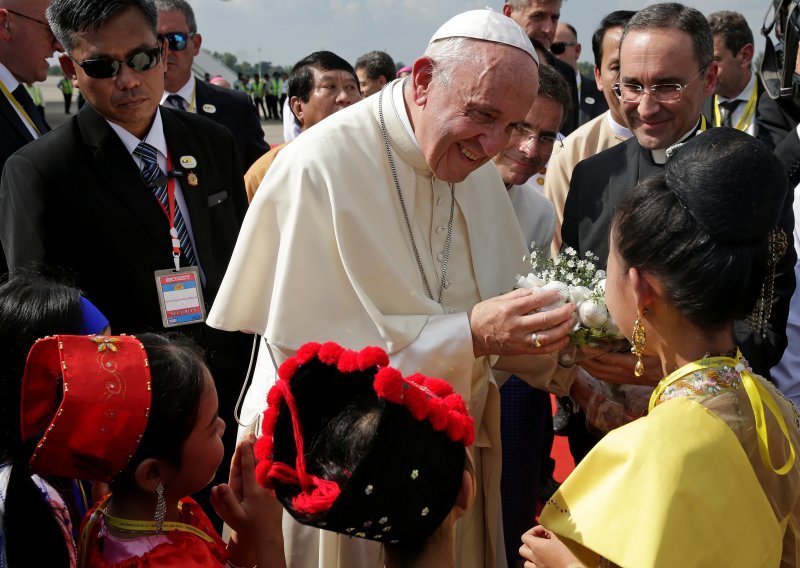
178	41
37	20
523	135
104	68
559	47
663	93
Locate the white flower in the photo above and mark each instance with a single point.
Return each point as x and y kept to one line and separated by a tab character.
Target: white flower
600	275
570	251
570	264
563	294
600	287
578	294
592	313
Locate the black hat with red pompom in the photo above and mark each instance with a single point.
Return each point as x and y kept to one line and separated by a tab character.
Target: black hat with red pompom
352	446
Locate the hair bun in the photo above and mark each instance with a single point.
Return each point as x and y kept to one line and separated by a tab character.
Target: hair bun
732	185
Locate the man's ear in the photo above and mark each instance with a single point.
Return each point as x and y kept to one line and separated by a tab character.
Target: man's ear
507	9
67	66
421	78
747	52
297	109
197	41
5	31
577	52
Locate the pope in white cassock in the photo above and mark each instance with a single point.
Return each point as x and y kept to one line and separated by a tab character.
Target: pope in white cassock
388	224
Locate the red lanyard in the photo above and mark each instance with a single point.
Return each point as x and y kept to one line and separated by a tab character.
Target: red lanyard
173	232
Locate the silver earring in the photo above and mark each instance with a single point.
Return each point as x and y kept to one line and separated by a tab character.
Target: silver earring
161	508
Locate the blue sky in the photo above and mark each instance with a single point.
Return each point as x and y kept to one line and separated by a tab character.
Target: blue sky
283	31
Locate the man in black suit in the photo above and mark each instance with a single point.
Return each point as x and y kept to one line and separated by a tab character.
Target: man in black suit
567	48
667	69
79	198
232	109
25	44
539	18
740	101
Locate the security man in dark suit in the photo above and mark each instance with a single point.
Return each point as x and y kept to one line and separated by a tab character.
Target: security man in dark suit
25	44
740	101
591	102
232	109
667	69
126	192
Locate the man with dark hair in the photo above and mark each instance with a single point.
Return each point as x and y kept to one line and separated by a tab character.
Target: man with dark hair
374	70
128	194
740	101
320	84
525	410
235	111
667	69
539	19
598	134
567	48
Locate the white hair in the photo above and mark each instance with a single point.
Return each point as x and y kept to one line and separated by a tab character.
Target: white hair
451	53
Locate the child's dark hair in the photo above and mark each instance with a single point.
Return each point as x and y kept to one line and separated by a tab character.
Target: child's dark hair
176	370
32	305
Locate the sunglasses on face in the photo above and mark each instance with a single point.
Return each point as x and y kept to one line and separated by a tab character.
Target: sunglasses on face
178	41
559	47
104	68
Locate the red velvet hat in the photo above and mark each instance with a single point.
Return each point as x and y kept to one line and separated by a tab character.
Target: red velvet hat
87	399
395	486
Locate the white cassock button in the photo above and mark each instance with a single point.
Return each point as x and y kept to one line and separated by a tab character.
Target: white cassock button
440	257
440	229
446	284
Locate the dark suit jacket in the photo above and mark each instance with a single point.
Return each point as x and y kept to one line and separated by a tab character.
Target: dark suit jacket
592	102
597	187
774	119
76	199
566	71
236	112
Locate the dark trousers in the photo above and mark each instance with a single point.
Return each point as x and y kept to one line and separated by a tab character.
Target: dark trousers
523	432
272	106
260	106
67	102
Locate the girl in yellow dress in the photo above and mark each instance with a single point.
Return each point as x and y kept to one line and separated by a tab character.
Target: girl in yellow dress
709	477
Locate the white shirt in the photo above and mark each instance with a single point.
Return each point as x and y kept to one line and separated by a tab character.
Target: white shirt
155	137
10	82
739	111
187	93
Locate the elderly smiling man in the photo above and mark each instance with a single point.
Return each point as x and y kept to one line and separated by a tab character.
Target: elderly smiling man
387	225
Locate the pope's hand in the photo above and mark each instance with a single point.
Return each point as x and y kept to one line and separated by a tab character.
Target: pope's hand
511	325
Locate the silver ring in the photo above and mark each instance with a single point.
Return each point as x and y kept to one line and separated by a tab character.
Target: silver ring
535	340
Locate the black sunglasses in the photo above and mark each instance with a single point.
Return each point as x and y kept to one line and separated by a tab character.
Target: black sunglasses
178	40
559	47
104	68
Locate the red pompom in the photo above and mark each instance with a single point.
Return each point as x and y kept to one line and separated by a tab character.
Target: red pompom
329	353
372	357
416	378
307	352
263	448
274	397
439	387
455	427
348	361
288	369
438	414
456	403
262	474
469	430
389	384
416	401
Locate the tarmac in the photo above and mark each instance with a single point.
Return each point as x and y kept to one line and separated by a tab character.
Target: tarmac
54	110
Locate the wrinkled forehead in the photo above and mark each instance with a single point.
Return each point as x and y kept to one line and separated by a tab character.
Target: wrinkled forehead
667	52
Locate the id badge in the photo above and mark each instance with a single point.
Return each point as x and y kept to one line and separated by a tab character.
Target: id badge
180	296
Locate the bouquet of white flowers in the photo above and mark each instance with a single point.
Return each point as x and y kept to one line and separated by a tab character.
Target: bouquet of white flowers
580	282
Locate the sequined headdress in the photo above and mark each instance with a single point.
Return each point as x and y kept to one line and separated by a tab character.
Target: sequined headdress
86	399
403	482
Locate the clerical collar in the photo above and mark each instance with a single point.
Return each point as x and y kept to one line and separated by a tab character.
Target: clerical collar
154	137
186	92
745	94
400	106
660	155
8	79
620	131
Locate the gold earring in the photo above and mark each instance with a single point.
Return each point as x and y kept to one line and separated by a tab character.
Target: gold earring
639	337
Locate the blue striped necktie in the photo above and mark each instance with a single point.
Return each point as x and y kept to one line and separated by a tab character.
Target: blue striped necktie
151	172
